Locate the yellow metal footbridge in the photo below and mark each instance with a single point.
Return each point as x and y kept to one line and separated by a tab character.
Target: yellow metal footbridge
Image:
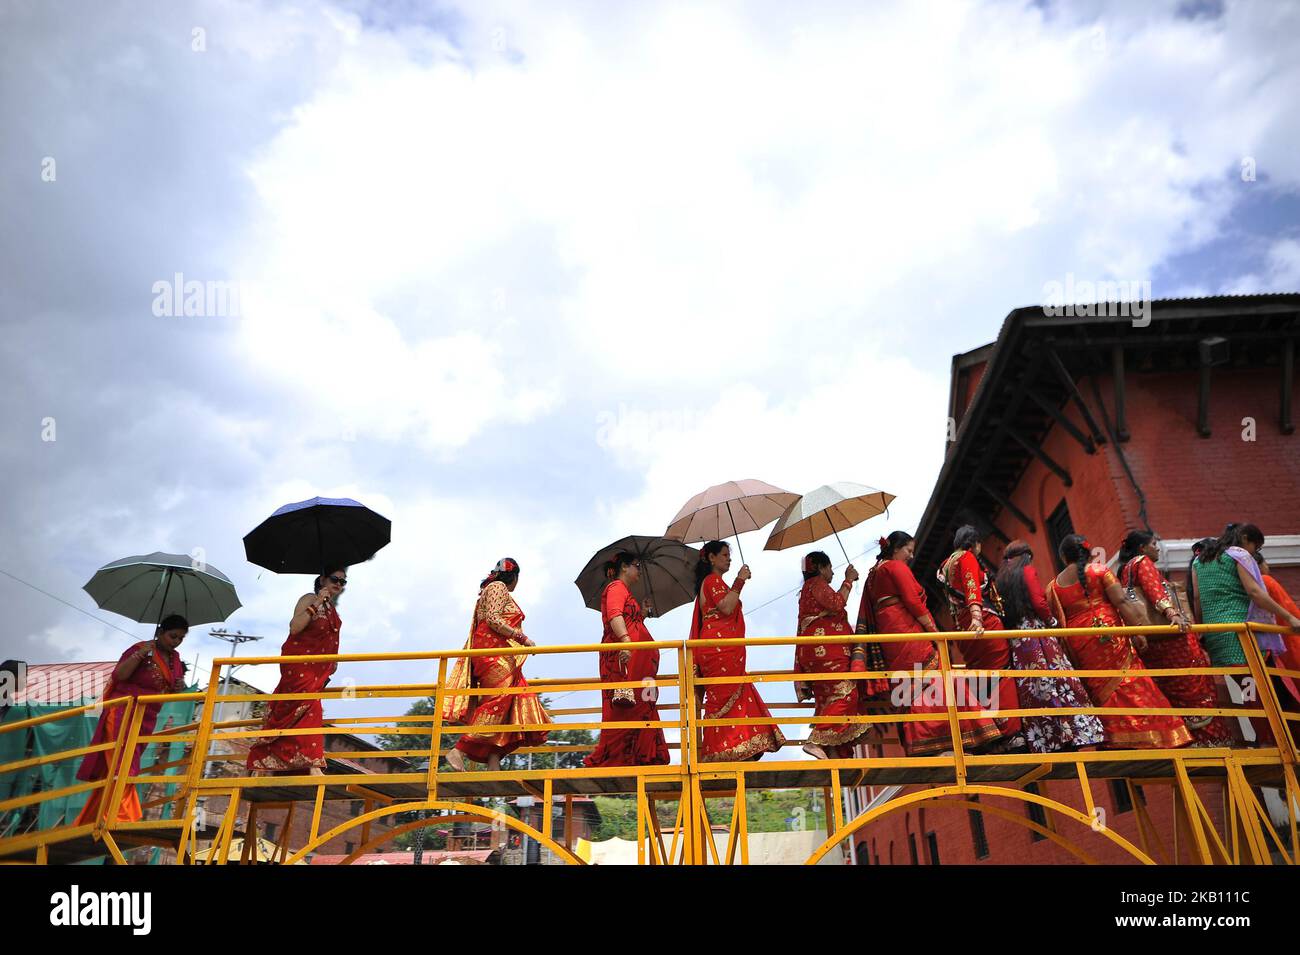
1244	832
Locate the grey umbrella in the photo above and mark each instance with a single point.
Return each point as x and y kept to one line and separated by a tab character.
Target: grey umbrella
667	573
151	586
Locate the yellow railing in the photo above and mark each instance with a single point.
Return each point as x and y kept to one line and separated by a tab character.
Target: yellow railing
690	780
118	752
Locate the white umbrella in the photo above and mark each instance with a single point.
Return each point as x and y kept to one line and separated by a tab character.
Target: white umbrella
827	510
748	505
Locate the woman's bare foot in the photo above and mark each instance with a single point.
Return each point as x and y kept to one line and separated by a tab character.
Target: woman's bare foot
815	751
493	763
456	760
316	771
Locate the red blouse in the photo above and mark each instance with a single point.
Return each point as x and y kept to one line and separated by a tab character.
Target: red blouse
618	601
822	604
1141	572
1086	604
893	578
1279	594
1037	595
707	623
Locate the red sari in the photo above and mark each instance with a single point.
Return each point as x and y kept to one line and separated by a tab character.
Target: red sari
292	754
163	672
970	589
897	605
497	625
1289	658
729	700
627	747
1076	606
1179	650
821	613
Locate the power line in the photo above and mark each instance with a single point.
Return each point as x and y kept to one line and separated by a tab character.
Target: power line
800	587
66	604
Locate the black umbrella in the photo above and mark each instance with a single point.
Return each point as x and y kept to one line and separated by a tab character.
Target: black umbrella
667	573
320	534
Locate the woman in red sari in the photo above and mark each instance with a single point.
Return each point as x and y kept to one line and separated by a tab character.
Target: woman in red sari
975	605
497	624
821	613
313	630
1289	658
625	623
1138	573
894	602
718	616
146	669
1088	595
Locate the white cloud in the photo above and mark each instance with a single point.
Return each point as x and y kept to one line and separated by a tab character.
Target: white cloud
1279	271
528	288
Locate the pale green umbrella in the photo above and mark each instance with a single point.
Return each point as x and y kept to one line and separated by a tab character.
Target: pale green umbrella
151	586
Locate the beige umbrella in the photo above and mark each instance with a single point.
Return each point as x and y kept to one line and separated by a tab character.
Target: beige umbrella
827	510
729	510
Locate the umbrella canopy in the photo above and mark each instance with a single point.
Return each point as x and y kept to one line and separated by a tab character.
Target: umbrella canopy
827	510
667	573
151	586
319	534
729	510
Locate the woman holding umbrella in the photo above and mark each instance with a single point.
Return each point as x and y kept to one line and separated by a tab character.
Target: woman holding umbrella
301	538
718	615
147	668
822	612
497	624
313	630
625	623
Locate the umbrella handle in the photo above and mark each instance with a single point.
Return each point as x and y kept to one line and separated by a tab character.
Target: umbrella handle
735	534
162	607
841	543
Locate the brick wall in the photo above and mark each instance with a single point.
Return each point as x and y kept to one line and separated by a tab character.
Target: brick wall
1193	485
1011	843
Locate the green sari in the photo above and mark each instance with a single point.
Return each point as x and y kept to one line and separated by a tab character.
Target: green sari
1223	600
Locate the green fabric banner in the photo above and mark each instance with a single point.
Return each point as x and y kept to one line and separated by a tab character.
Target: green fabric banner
65	735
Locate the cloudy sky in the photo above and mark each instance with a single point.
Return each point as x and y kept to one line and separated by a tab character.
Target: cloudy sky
525	278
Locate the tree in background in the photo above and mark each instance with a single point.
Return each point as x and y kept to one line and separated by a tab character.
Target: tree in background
768	811
584	740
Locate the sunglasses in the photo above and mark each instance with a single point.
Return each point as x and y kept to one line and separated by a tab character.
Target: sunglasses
341	581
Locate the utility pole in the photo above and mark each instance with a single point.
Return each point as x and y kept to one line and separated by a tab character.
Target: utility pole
234	638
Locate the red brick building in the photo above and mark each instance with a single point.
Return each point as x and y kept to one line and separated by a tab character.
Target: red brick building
1179	420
